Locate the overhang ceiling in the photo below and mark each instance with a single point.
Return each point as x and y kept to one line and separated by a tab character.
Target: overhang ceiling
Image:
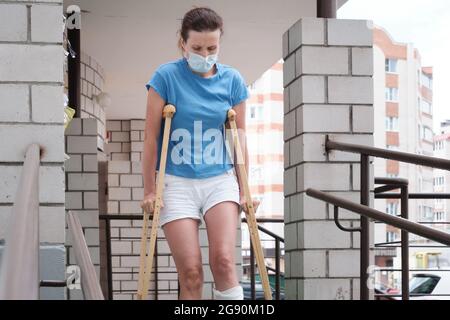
130	39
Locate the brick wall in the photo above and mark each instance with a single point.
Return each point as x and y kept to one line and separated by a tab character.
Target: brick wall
82	185
92	80
327	90
31	111
118	135
92	83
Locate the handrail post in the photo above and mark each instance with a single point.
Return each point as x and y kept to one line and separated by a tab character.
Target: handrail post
364	221
156	269
252	271
405	244
109	258
277	269
393	184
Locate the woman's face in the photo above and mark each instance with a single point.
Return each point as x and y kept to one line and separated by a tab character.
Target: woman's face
204	43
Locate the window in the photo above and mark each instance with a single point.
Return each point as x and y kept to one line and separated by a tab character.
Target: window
256	112
391	123
427	212
426	81
439	181
439	216
392	208
391	94
391	65
252	112
427	133
425	106
423	283
439	145
391	236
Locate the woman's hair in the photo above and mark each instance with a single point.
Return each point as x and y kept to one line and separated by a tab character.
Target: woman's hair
199	19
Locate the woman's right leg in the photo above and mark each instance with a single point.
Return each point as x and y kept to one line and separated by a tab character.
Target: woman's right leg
182	236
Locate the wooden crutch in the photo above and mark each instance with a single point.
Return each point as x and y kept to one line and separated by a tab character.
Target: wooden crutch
250	215
145	265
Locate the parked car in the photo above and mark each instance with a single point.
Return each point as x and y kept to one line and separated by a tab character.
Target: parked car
435	282
427	285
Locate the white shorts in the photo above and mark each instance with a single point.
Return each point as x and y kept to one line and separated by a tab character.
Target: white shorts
192	198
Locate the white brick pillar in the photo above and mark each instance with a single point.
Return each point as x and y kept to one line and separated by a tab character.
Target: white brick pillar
328	90
32	111
82	185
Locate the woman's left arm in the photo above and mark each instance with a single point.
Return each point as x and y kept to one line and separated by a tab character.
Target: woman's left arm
240	124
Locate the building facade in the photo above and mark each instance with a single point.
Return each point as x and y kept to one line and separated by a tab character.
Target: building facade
404	122
264	123
441	178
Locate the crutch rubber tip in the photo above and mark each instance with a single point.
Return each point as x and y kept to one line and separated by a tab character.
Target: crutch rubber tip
169	110
231	114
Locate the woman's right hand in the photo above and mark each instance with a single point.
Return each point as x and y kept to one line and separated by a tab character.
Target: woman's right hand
148	203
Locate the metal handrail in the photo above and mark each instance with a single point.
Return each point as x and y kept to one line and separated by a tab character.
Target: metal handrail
19	279
413	195
277	268
413	227
407	157
365	152
89	281
266	231
403	223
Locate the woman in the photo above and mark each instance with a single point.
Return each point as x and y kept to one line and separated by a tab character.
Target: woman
200	179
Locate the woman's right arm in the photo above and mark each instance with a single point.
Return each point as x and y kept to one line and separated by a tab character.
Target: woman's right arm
155	105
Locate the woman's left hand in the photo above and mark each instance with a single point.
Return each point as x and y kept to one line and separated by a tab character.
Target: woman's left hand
243	203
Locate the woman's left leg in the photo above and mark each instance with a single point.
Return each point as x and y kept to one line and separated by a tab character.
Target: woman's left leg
221	225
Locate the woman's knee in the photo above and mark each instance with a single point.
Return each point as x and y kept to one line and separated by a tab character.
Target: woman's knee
191	277
223	263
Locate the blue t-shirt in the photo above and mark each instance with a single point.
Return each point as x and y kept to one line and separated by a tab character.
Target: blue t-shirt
197	147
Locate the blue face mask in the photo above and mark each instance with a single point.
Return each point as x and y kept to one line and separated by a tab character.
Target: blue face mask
201	64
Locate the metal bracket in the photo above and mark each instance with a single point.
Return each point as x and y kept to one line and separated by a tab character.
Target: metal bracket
339	225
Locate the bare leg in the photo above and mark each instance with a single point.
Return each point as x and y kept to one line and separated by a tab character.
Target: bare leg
221	224
182	236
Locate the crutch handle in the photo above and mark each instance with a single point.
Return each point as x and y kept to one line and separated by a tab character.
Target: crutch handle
231	115
168	111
